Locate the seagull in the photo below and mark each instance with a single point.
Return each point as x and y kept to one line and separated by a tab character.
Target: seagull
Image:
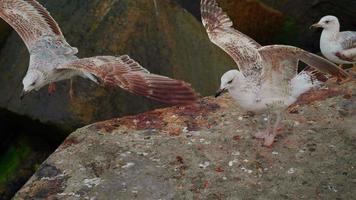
52	59
338	47
267	80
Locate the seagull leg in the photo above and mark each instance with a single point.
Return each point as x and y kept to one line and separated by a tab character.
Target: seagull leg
270	132
51	88
269	139
71	90
263	134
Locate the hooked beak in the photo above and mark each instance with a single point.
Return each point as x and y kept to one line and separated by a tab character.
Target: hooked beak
317	25
220	92
23	94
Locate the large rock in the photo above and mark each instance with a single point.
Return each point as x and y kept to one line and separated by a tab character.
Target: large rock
207	152
159	34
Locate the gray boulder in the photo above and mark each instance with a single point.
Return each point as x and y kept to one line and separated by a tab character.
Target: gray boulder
207	152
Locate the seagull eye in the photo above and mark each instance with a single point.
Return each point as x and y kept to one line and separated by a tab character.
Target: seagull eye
230	82
327	21
32	84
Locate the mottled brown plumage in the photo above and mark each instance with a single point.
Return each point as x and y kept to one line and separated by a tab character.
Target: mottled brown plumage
30	20
268	78
129	75
52	59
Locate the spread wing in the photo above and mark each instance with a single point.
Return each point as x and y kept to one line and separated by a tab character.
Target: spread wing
282	64
239	46
129	75
349	46
30	20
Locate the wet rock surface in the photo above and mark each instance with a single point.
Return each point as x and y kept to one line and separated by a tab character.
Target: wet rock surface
207	152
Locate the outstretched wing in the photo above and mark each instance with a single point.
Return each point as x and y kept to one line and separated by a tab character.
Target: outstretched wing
282	64
30	20
239	46
129	75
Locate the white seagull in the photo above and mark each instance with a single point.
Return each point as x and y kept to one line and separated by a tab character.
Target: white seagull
268	79
52	59
338	47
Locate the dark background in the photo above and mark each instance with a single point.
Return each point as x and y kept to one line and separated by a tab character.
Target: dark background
168	39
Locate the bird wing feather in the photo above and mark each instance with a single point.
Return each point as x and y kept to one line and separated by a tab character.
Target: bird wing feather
349	46
242	49
30	20
127	74
282	64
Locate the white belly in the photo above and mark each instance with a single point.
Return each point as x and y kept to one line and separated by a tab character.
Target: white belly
259	102
268	96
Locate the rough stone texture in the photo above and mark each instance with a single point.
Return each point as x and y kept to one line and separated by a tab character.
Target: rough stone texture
164	38
207	152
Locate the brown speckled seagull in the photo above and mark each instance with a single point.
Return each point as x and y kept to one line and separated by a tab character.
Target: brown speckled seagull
268	78
52	59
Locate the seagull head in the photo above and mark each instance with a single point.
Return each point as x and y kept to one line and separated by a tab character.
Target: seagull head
327	23
32	81
228	81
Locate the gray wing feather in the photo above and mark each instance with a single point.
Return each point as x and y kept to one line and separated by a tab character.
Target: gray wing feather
349	45
349	39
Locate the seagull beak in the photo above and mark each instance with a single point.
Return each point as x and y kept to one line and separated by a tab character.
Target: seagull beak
23	94
220	92
317	25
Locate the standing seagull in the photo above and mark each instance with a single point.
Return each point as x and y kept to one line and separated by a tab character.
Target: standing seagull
52	59
339	47
268	79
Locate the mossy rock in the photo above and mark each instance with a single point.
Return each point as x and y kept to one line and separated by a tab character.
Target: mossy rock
162	36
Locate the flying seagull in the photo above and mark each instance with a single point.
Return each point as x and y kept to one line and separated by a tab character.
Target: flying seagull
52	59
339	47
268	79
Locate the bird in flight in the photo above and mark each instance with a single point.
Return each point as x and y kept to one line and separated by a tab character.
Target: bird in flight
268	79
52	59
338	47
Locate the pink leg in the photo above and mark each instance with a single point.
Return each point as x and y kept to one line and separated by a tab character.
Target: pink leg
269	134
51	88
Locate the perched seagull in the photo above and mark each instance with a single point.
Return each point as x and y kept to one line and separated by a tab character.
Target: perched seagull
338	47
52	59
268	79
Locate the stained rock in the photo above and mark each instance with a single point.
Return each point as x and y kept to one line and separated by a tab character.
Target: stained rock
155	155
